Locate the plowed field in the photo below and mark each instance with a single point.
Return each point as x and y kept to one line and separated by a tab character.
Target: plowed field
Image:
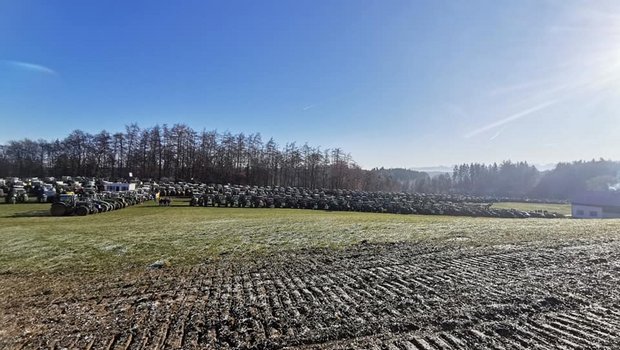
386	296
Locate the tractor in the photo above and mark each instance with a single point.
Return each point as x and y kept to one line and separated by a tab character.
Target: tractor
17	194
69	204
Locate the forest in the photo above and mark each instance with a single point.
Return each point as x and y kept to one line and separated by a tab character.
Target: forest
178	152
181	153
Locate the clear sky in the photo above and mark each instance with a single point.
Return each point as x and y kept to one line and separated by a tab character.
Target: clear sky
395	83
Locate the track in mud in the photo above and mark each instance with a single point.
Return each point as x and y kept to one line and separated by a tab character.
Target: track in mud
397	296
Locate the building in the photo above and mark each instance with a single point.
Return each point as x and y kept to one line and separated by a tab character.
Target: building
118	186
596	205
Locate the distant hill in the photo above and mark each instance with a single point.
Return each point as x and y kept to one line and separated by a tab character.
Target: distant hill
545	167
433	174
440	169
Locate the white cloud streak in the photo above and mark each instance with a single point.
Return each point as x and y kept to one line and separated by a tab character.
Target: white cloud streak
502	90
511	118
32	67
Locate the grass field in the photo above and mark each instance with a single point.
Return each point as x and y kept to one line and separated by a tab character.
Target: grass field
183	235
550	207
303	279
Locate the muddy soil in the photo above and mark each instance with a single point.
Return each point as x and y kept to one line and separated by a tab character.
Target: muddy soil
394	296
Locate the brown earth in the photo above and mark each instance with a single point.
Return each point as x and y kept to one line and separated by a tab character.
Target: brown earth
390	296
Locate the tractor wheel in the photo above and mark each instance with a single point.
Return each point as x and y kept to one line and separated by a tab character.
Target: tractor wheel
58	209
81	211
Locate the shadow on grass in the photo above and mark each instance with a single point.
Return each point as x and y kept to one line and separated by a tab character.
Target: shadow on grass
31	214
185	205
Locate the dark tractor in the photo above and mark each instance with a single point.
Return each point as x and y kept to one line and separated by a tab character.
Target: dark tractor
42	198
83	208
10	198
69	204
196	201
64	205
17	194
105	205
41	194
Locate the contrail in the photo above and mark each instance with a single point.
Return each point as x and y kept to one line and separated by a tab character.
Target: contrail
511	118
30	67
517	87
497	133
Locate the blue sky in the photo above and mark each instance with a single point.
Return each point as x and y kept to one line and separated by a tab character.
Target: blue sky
395	83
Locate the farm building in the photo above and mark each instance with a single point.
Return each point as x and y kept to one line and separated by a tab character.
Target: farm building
119	186
593	205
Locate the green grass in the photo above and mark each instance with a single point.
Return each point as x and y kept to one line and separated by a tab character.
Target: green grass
183	235
550	207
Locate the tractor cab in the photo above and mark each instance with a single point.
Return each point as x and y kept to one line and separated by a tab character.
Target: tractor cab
67	198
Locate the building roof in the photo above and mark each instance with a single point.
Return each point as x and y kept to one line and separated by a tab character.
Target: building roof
598	198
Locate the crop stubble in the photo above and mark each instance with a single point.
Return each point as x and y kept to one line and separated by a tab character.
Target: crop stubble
387	296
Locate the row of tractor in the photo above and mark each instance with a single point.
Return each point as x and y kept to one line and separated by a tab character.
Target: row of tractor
48	190
15	190
238	196
84	196
73	204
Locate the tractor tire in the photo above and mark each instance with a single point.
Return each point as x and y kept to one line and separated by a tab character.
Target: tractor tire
81	211
58	209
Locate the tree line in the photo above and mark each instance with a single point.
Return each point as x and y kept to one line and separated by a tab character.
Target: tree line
507	179
517	180
178	152
522	180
